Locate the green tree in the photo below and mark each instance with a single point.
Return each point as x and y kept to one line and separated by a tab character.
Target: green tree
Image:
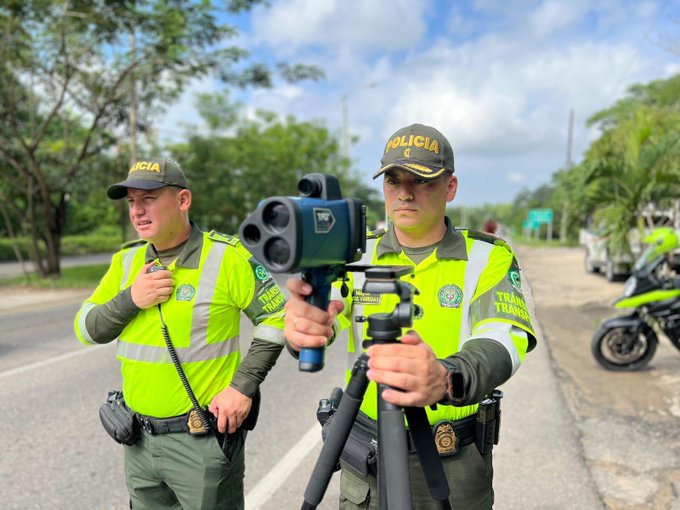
79	76
634	163
256	158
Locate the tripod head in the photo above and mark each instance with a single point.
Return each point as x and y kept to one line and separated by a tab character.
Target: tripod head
386	327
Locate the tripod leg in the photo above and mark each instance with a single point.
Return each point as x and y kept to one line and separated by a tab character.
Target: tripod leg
337	436
394	479
428	456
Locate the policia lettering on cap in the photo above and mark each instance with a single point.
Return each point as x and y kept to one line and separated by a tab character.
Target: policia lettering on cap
470	334
172	300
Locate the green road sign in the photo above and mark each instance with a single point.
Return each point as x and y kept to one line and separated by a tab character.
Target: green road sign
540	215
530	225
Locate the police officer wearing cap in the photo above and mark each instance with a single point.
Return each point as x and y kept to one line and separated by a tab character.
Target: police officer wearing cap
205	280
471	328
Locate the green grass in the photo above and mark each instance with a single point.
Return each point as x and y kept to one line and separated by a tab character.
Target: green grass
71	278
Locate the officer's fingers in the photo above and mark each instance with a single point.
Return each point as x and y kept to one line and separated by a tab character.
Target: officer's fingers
165	290
146	267
222	422
335	307
411	338
313	326
404	398
232	424
401	380
297	287
398	364
302	341
214	409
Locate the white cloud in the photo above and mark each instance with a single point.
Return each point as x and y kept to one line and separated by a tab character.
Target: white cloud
554	15
291	24
516	177
498	78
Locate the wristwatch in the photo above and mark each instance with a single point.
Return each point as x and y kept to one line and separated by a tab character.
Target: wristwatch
455	388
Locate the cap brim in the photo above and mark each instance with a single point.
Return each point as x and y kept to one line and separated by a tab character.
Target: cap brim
422	171
119	190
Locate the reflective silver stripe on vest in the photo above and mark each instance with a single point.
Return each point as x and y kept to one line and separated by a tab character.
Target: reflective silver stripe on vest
502	333
127	259
160	354
270	334
358	327
82	326
206	292
477	260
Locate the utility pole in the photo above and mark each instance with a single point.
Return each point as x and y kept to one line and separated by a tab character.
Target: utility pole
570	138
345	115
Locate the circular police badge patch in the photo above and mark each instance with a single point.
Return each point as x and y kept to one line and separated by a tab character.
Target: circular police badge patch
185	292
515	279
450	296
261	273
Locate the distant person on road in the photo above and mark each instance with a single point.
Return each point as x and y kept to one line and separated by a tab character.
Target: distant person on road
491	227
471	329
206	281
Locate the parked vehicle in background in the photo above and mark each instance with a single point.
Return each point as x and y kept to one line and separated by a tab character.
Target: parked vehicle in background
600	259
617	265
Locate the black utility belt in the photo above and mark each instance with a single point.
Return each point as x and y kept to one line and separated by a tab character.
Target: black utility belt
361	447
451	436
189	423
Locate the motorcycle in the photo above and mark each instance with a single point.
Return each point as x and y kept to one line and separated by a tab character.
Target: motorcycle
628	342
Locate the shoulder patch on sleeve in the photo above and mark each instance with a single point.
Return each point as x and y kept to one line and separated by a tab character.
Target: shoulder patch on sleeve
223	238
488	238
132	244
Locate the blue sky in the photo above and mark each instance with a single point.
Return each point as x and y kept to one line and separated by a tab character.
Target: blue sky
498	78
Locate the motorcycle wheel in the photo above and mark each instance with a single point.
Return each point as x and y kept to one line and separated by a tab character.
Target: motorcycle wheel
614	349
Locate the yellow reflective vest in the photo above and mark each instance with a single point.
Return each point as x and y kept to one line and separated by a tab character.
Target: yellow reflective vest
215	279
469	287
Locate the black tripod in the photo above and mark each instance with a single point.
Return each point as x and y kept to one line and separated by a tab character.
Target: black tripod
393	466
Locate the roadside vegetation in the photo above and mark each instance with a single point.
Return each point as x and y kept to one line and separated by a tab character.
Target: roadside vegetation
67	131
83	277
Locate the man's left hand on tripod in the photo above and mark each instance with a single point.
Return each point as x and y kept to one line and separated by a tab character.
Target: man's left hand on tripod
410	368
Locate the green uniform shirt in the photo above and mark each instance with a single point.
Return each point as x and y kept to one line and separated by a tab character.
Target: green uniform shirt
215	280
468	307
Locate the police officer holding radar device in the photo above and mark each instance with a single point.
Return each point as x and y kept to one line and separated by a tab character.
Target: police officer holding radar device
468	332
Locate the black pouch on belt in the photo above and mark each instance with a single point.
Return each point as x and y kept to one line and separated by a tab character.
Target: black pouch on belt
118	420
361	448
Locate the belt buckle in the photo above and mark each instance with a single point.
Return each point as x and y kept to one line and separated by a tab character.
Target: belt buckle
445	439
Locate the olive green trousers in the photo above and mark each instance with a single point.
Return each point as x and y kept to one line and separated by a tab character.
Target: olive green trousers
184	472
470	478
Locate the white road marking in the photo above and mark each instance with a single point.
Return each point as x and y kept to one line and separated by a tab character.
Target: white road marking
56	359
277	476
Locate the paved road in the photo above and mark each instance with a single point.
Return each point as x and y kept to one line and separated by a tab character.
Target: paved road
51	387
12	269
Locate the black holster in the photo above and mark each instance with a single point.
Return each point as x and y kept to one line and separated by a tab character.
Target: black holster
118	419
489	422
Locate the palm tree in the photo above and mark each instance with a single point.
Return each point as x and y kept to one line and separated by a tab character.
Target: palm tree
635	163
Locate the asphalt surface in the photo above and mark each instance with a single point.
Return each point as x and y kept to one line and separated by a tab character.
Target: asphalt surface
51	388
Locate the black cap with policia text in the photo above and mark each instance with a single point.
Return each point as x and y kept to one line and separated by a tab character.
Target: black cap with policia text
420	150
149	174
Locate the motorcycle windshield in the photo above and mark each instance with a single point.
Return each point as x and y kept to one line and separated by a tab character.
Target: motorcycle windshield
647	256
